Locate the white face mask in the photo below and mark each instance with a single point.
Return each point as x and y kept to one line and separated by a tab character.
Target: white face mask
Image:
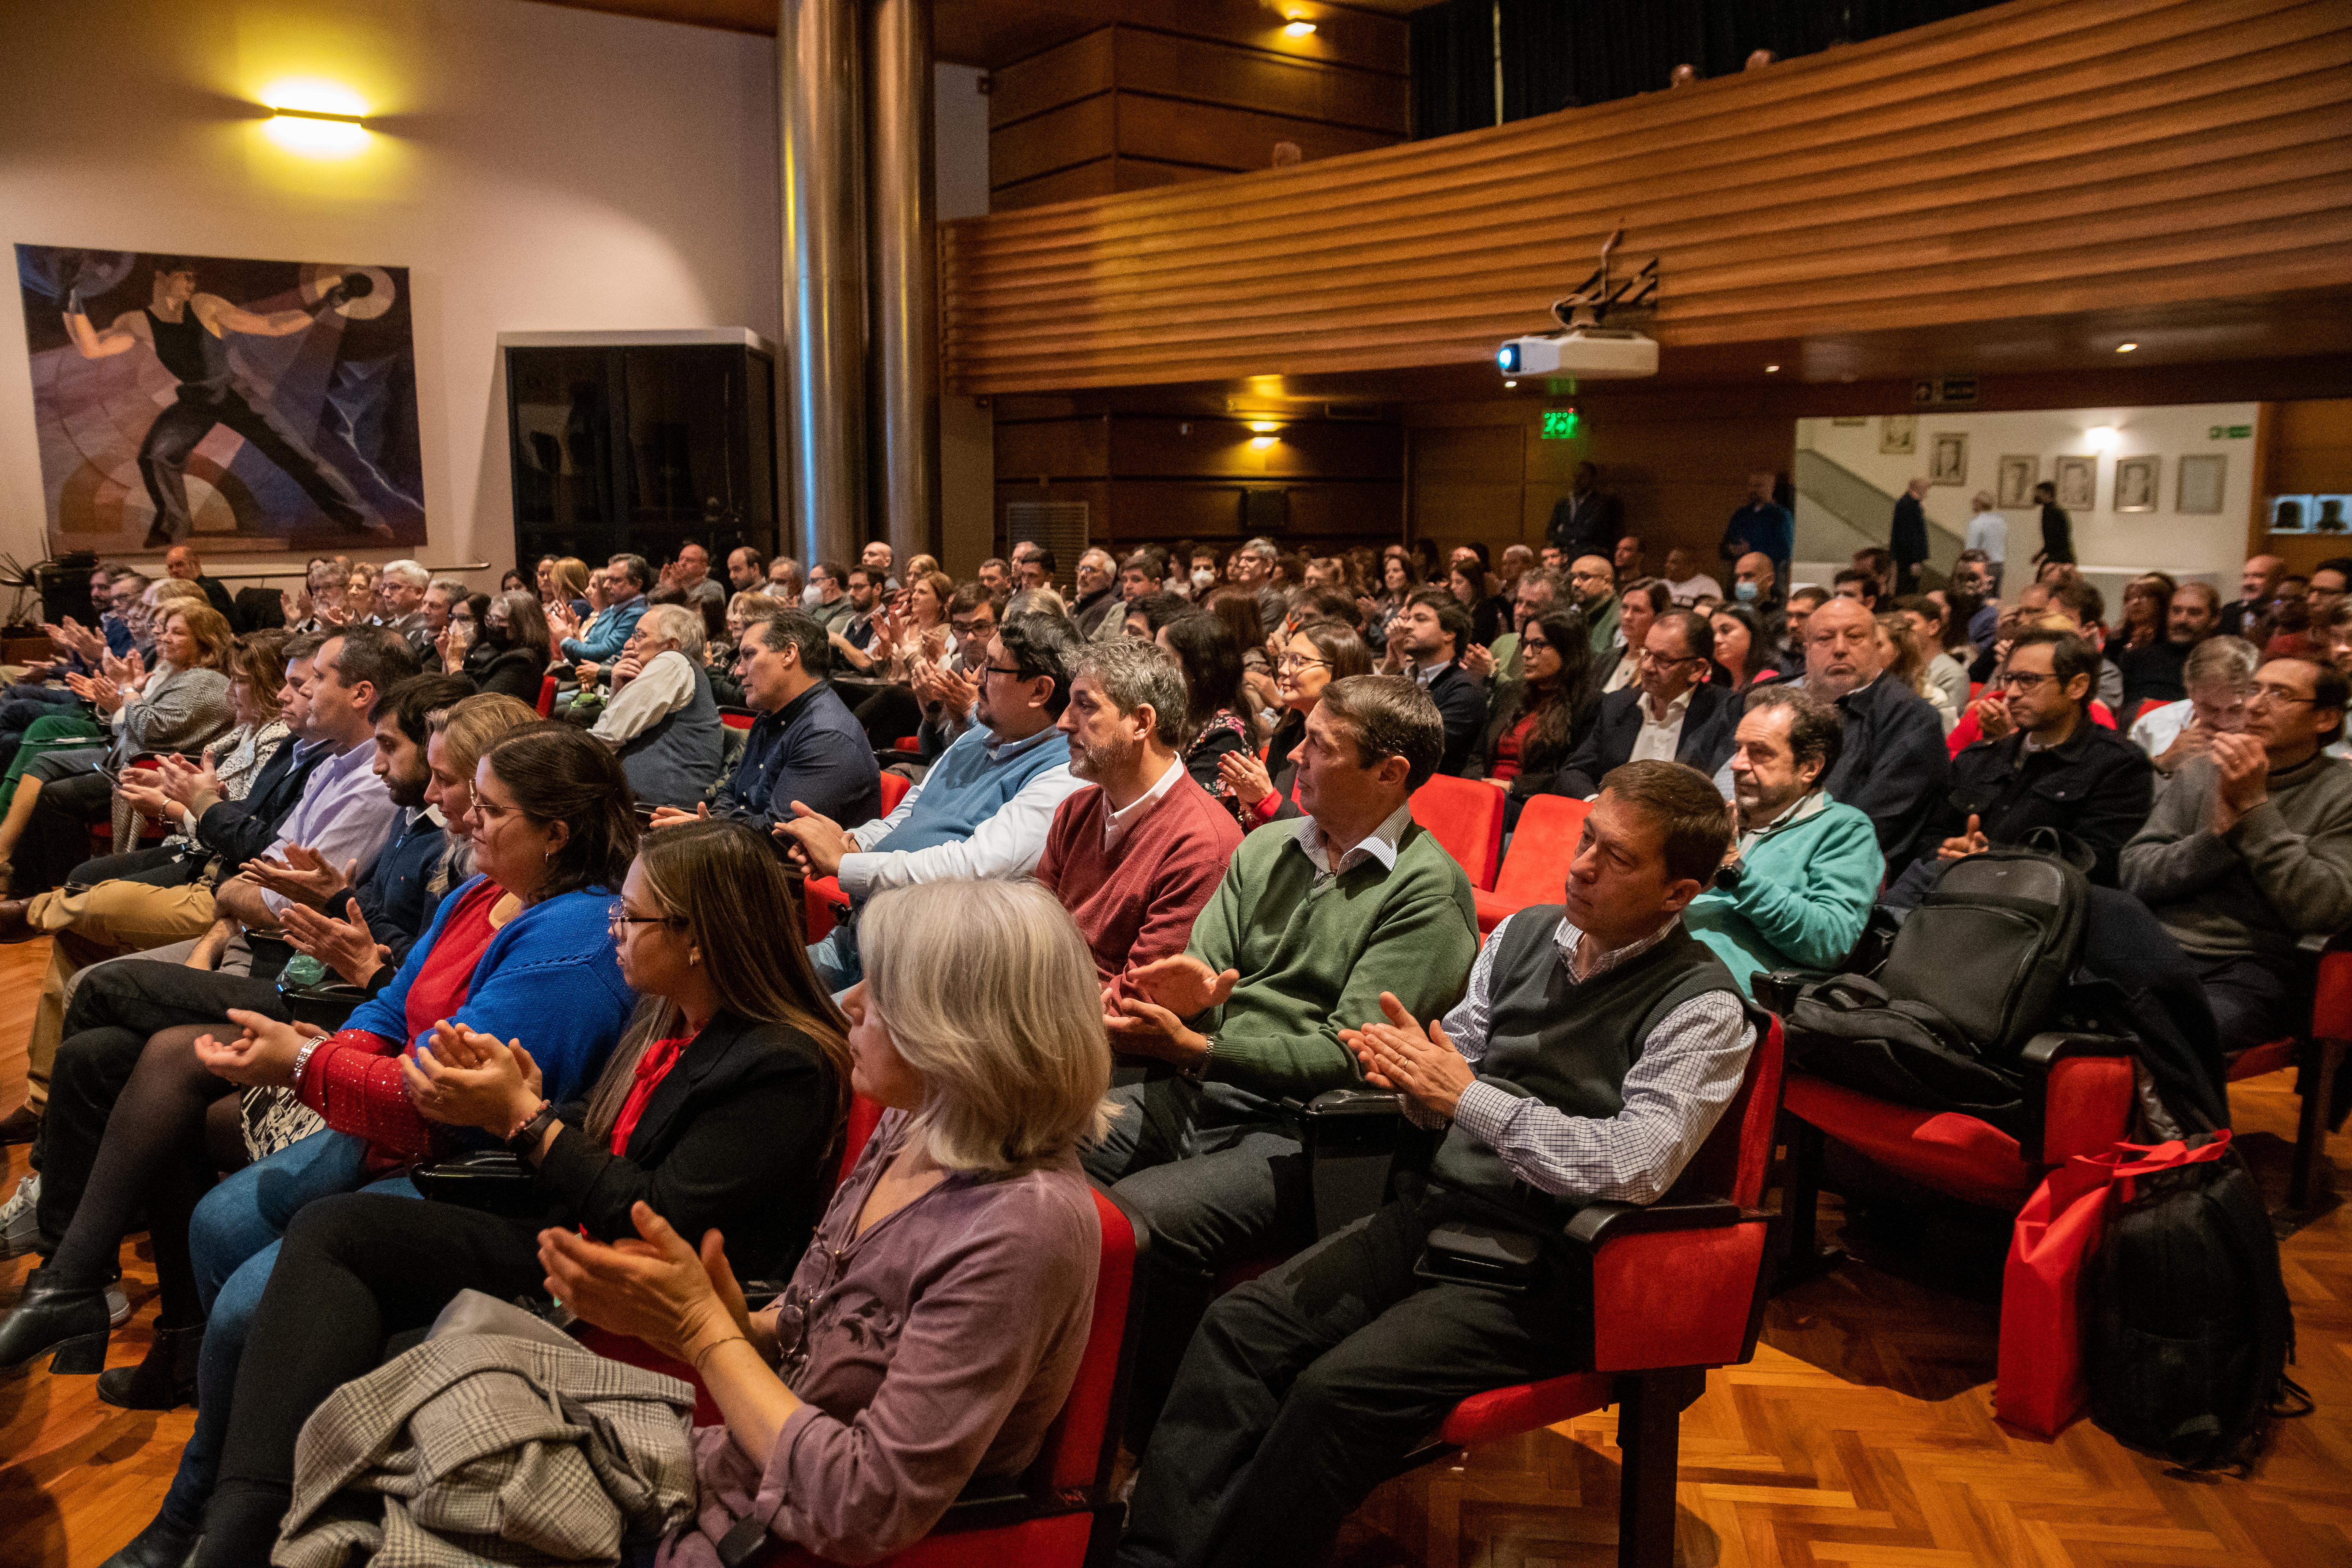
809	599
1203	579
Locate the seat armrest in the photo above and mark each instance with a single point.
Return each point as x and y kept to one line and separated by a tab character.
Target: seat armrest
1353	1102
1776	991
1351	1137
328	1004
2038	1060
1597	1223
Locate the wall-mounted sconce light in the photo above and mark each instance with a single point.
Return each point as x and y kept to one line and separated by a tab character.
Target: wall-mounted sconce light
315	119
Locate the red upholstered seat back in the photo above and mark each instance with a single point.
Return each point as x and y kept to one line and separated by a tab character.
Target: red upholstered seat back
1465	816
546	695
1541	848
1080	1446
1733	1162
893	790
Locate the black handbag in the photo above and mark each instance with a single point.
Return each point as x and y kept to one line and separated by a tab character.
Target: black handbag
488	1180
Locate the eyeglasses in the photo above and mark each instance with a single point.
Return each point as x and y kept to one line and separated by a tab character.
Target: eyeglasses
1015	673
1646	657
2025	680
2278	694
617	915
1291	661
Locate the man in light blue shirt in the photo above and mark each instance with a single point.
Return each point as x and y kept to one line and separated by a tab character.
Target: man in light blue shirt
626	578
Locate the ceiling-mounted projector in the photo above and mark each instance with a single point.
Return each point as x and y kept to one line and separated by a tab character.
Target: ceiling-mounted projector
1584	348
1591	354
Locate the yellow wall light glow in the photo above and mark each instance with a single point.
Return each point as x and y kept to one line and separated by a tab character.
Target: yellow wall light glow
2101	436
315	119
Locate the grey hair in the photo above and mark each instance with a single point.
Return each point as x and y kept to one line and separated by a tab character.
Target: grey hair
1133	672
988	991
455	590
2220	661
678	624
1263	549
1816	728
406	571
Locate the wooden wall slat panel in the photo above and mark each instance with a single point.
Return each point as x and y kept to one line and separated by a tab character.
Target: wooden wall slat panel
1096	177
1185	132
1173	66
2043	156
1079	69
1058	138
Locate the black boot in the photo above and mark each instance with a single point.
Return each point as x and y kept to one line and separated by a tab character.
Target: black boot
161	1545
164	1381
71	1319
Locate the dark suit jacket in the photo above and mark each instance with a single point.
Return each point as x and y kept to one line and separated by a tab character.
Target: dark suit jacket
1894	767
1907	542
217	592
1705	742
1589	524
1461	703
738	1136
238	830
2096	787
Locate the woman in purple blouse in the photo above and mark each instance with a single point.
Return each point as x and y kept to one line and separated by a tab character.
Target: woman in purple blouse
934	1326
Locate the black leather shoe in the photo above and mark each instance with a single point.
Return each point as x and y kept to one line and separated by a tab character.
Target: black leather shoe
71	1319
14	924
164	1381
160	1545
21	1125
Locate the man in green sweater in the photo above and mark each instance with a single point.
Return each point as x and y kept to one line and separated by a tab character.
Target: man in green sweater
1315	918
2251	850
1804	868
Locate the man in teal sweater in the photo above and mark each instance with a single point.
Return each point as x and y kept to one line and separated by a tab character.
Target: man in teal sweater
1314	920
1805	869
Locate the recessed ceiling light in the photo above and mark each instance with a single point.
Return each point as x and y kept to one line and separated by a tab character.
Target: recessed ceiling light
2126	348
1264	426
1297	28
1771	369
1510	383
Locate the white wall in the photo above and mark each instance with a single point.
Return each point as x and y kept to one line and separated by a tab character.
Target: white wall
2106	542
966	430
539	168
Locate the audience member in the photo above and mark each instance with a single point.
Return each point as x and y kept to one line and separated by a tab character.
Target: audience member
2258	586
1319	653
401	588
1314	921
1597	1045
1592	586
2057	527
1465	579
1761	525
2053	769
1948	675
1987	536
514	636
601	641
1859	584
785	580
1686	582
2219	673
737	1148
688	581
1134	857
1146	615
1535	594
1426	643
1535	722
1673	714
662	719
1805	869
1217	721
1588	519
1381	608
1253	568
1891	766
1743	652
2249	851
857	639
804	746
984	808
1756	582
1631	559
827	597
746	571
1639	605
1904	653
1097	592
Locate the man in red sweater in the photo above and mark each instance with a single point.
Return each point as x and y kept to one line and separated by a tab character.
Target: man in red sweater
1134	859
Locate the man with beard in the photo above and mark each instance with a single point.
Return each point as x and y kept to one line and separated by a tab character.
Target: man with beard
1427	642
1135	857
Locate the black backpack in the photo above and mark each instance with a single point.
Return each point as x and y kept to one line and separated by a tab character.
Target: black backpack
1977	970
2189	1332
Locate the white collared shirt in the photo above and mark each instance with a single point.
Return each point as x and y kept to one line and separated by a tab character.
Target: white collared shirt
1379	844
1659	737
1116	824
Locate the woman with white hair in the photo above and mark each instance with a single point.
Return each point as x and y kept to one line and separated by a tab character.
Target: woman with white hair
662	718
936	1323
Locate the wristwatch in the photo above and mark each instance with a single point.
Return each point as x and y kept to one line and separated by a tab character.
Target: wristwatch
524	1139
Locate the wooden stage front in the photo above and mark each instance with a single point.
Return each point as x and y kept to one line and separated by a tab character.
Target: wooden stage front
1862	1434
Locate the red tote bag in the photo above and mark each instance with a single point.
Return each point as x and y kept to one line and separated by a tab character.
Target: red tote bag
2041	1385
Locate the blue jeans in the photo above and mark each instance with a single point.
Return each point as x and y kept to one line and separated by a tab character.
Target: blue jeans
232	1243
835	960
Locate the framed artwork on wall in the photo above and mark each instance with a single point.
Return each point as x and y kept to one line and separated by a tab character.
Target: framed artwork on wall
2077	479
242	405
2331	514
2198	490
1947	461
1898	435
2291	514
2135	483
2018	477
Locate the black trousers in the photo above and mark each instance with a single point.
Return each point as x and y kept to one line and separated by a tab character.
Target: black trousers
114	1010
177	430
57	838
2256	1000
353	1271
1307	1386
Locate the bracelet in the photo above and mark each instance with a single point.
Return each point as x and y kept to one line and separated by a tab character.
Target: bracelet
730	1340
302	1058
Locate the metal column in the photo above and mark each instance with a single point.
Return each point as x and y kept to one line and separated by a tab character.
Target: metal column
821	122
902	278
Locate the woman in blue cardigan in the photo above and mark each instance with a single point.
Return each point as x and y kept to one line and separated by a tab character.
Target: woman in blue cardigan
523	950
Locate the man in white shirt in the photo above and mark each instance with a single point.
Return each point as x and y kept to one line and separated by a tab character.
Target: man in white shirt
662	719
1686	582
1672	714
1988	531
984	808
2218	675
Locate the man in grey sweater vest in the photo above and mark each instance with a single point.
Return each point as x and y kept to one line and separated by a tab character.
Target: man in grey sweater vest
1597	1046
2251	850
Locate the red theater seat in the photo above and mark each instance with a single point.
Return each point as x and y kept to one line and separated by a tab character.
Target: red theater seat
1536	867
546	696
2320	1053
822	895
1465	816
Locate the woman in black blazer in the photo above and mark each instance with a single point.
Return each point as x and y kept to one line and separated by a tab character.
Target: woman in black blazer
511	653
721	1110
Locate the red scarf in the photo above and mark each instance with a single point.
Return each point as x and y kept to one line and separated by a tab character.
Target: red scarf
652	1067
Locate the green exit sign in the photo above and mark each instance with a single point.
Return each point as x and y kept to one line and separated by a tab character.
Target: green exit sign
1561	424
2228	432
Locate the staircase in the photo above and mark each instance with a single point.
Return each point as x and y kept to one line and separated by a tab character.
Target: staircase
1839	512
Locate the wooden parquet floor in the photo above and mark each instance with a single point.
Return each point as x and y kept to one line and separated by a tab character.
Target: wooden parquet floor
1862	1434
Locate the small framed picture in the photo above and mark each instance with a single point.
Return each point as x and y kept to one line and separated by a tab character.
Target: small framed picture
2331	514
2135	482
1948	460
1898	435
2200	487
2293	514
2018	477
2077	479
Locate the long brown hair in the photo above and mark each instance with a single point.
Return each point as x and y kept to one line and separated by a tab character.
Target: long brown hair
721	878
558	773
208	629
